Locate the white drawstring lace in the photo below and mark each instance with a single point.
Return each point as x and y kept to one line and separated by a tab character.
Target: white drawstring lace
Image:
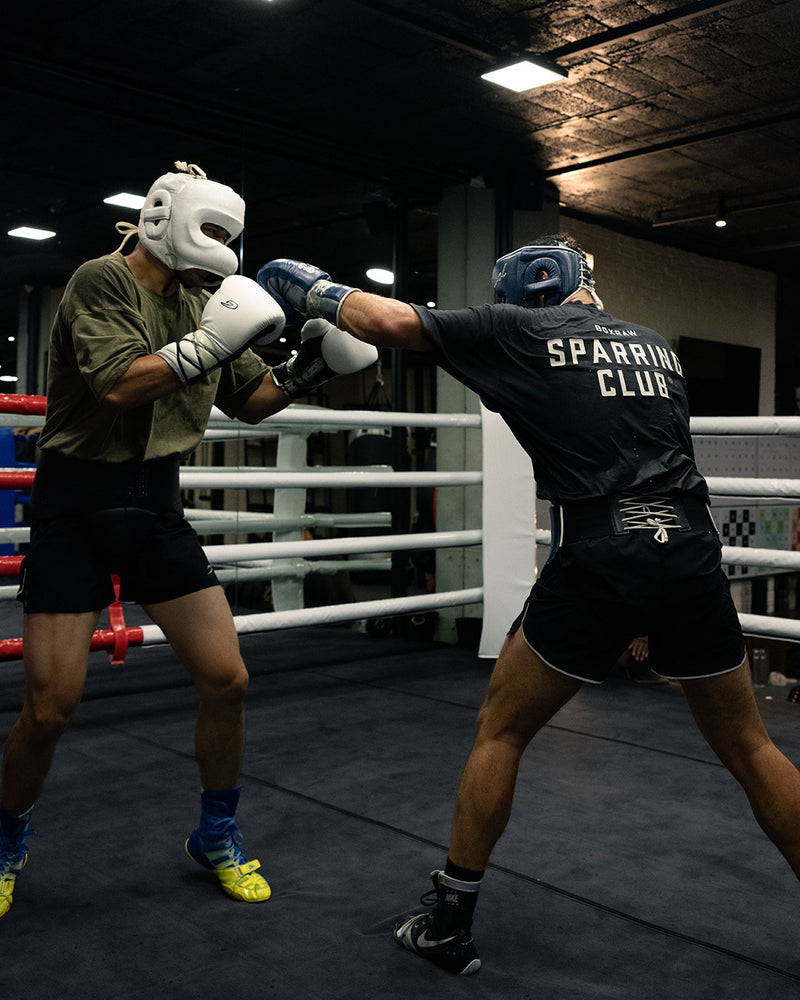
654	512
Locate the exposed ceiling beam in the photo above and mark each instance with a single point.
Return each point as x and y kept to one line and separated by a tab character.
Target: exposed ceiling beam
637	28
626	31
676	143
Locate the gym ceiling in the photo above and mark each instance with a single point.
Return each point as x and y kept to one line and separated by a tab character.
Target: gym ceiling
342	121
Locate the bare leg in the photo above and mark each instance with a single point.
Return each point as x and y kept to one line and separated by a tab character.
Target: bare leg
200	629
727	715
523	695
56	654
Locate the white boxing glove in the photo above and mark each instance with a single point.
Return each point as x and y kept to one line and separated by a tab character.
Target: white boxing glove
238	314
325	351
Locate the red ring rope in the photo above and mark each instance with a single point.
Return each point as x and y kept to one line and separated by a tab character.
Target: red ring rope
22	404
15	479
11	649
119	636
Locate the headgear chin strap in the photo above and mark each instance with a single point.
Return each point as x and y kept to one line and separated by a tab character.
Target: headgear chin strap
175	208
519	277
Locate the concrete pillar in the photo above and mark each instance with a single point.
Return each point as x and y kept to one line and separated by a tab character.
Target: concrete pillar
466	256
469	230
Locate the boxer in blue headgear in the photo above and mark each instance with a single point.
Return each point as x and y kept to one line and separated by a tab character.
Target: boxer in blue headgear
599	404
550	272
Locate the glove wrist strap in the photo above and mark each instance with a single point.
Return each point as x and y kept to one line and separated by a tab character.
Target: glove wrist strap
306	370
282	378
299	383
191	357
325	299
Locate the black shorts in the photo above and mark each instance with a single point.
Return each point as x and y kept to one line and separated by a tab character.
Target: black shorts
68	568
596	594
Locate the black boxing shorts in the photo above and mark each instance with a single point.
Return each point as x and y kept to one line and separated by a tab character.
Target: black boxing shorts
618	573
157	556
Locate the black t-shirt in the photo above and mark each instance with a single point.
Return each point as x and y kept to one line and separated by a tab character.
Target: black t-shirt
598	403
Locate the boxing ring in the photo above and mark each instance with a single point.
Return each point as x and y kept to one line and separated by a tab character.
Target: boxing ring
624	873
291	555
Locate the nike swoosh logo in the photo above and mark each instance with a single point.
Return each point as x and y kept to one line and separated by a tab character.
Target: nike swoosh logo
424	942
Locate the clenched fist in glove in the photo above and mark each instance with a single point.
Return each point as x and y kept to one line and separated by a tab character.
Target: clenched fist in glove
325	352
238	314
303	290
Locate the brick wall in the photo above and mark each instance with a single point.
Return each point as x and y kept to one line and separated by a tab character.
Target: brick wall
682	294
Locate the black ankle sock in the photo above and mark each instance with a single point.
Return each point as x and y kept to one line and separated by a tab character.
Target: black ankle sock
455	906
463	874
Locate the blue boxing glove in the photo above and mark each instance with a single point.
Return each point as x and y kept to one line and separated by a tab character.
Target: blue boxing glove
325	352
303	290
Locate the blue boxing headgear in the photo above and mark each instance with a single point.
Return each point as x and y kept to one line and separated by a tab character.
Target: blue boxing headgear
543	275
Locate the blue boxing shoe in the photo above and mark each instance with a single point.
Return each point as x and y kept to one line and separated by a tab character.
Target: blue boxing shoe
215	845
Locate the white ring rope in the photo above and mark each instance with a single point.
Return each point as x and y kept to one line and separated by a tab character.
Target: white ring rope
254	478
341	546
320	417
15	534
316	547
333	613
776	628
779	489
744	425
333	420
217	522
269	569
734	555
258	520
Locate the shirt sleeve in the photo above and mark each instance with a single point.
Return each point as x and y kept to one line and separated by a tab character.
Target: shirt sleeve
108	329
469	345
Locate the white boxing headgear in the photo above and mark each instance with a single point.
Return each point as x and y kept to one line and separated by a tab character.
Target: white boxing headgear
175	208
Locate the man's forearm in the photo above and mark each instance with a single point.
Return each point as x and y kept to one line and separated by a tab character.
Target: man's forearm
148	378
383	322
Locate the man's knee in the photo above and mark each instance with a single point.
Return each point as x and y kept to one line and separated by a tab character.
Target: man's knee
224	684
494	724
45	719
237	682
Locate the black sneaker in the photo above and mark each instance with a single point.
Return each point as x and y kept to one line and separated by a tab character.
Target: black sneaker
454	952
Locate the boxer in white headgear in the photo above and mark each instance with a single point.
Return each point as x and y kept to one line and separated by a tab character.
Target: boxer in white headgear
178	208
139	354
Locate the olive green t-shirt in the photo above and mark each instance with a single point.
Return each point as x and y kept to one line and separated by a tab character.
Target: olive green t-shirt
106	320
